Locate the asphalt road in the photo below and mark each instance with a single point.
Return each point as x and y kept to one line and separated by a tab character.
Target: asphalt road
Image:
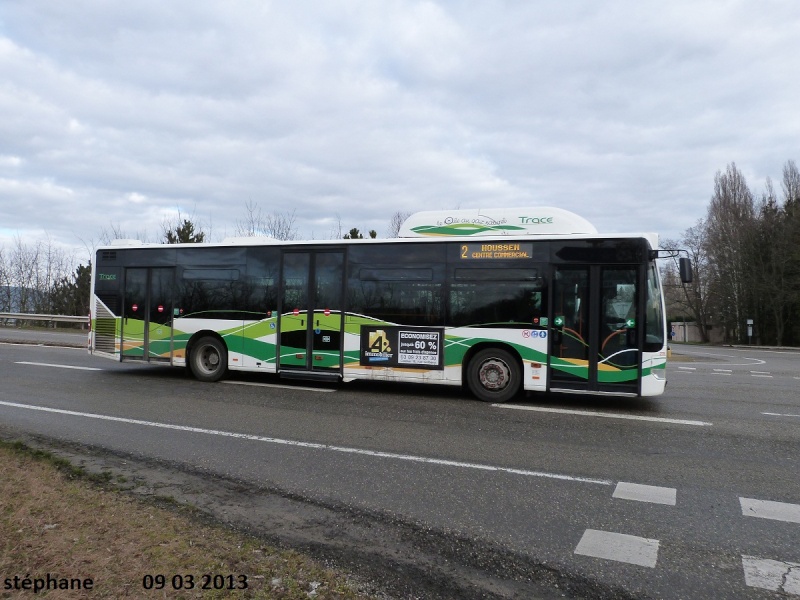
695	494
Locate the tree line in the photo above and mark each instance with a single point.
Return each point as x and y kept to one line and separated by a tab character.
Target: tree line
40	277
745	256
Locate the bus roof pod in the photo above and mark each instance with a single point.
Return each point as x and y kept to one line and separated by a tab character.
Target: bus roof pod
539	220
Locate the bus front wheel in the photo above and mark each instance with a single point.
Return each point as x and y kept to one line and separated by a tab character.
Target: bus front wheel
494	375
209	359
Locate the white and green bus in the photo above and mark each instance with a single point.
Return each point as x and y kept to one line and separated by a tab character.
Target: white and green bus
500	301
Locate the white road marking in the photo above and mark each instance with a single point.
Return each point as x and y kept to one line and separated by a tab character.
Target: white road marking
688	368
723	370
619	547
591	413
760	374
779	414
38	364
756	361
772	575
645	493
278	385
315	446
767	509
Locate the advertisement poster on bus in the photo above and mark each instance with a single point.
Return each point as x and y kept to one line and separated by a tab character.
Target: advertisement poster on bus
409	347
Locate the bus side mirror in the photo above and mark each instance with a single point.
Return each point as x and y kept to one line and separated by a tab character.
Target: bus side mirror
685	266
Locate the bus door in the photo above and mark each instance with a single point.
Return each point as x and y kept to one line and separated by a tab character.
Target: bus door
147	314
311	320
594	340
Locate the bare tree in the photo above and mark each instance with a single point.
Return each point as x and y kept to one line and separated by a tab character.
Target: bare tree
116	232
5	283
24	267
52	265
791	182
29	273
396	222
276	224
337	228
691	300
731	237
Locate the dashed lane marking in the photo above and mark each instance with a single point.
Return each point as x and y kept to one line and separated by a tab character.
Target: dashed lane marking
774	575
767	509
645	493
693	370
605	415
619	547
772	414
316	446
760	374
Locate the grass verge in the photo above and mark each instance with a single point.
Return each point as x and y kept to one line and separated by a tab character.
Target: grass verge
72	535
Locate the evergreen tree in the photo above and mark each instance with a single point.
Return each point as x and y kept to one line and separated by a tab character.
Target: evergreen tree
355	234
184	233
70	295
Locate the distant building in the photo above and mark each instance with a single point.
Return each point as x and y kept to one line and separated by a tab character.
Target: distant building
689	331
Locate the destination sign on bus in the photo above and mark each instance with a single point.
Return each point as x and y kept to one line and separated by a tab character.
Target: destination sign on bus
497	251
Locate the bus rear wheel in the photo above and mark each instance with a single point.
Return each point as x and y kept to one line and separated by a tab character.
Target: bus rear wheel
208	359
494	375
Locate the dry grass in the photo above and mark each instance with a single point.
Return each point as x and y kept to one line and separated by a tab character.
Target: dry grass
54	523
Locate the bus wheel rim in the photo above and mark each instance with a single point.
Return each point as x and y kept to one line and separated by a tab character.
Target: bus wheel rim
209	359
494	374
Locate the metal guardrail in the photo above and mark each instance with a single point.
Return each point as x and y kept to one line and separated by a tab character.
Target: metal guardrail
51	318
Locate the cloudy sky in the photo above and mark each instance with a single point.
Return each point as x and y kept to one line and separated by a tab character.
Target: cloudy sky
120	115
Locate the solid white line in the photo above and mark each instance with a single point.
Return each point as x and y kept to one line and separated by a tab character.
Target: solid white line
315	446
277	385
767	509
38	364
590	413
